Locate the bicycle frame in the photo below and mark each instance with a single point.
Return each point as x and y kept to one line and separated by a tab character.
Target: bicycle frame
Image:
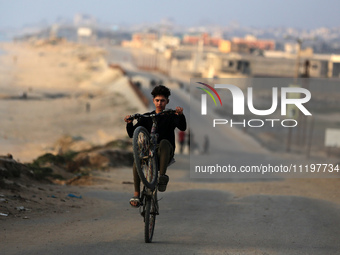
153	195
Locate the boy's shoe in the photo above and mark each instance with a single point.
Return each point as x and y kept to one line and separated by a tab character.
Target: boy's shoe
163	181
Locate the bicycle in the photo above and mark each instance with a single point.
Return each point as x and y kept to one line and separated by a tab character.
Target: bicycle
145	157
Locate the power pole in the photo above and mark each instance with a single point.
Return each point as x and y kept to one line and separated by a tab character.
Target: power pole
296	76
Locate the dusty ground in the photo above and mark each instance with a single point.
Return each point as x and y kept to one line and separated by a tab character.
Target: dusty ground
33	199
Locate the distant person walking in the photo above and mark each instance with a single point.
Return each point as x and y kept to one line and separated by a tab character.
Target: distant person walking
181	140
192	145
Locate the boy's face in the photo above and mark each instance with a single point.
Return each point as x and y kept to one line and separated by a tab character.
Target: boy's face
160	102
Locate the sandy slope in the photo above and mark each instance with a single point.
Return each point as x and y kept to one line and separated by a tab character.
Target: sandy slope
59	81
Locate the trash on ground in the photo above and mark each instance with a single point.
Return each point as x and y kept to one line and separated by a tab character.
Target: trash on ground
72	195
4	214
127	182
21	208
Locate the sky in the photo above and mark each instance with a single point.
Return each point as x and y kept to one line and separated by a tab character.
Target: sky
305	14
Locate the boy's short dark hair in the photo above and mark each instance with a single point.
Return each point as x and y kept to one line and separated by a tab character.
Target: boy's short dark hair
161	90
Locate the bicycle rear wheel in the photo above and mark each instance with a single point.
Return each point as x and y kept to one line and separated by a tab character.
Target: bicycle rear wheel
149	220
145	161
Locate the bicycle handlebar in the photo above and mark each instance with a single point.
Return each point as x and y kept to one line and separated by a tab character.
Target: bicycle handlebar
137	115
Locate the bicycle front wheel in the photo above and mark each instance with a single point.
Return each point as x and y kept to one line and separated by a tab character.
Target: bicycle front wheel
149	219
144	160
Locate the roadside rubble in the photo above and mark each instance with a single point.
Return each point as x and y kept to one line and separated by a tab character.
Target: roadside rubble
52	183
33	201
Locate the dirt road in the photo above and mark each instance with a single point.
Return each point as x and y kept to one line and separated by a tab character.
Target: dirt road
294	216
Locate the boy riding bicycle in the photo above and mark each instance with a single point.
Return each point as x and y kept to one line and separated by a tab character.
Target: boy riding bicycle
166	139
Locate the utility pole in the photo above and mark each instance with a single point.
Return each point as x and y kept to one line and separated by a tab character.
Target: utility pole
309	144
302	126
198	56
303	119
296	76
297	63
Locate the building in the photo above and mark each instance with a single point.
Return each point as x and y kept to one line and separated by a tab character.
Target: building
330	64
141	40
224	46
205	37
232	63
250	43
274	64
166	42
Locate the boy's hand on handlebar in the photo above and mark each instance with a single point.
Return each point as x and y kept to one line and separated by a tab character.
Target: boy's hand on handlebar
179	110
126	119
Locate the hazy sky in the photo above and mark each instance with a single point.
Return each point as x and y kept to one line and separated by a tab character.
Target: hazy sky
258	13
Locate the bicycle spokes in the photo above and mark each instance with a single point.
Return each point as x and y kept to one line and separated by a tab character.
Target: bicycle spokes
148	169
145	156
149	175
143	145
